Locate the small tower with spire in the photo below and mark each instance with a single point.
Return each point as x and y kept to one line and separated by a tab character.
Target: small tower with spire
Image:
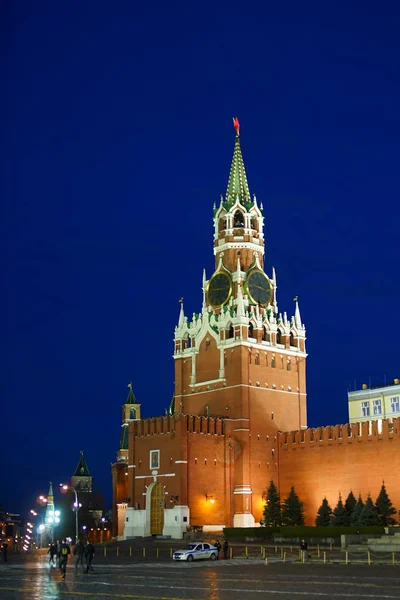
81	480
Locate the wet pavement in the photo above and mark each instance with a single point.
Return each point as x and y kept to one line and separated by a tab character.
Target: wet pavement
32	579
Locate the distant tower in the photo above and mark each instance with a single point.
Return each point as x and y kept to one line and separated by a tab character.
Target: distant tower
51	518
130	412
82	479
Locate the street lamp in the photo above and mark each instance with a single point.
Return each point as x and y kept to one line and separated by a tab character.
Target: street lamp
77	506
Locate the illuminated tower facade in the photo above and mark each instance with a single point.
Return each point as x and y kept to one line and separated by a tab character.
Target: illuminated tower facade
239	358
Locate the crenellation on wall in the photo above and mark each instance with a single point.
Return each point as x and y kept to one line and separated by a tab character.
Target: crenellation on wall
386	429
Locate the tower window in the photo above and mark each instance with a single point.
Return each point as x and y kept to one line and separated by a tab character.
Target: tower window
238	220
278	337
251	331
256	359
289	365
266	335
132	413
273	362
231	333
254	224
292	340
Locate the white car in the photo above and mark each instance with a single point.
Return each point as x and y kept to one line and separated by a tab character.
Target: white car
196	551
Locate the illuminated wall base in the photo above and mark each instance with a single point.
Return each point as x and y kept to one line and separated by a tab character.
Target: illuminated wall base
243	520
137	522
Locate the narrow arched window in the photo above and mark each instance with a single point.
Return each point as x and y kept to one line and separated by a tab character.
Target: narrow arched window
273	362
238	219
132	413
251	331
254	223
289	365
266	335
231	333
292	340
278	337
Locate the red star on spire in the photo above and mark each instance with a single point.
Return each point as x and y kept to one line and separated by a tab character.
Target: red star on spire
236	125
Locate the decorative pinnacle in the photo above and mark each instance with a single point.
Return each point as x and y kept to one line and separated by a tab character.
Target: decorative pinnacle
236	125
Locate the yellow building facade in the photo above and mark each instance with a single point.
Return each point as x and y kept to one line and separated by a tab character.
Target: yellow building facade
375	403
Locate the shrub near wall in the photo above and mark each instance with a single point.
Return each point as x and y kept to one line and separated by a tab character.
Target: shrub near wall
307	532
298	532
261	533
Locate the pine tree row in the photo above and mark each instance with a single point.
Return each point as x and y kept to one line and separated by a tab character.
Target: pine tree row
356	512
352	512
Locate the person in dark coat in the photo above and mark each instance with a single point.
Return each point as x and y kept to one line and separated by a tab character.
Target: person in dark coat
5	548
65	551
79	553
89	553
303	548
218	547
52	554
225	547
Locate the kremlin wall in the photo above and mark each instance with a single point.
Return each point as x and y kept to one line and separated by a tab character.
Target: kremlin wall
239	414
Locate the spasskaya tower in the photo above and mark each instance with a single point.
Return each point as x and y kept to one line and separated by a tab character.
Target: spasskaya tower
239	353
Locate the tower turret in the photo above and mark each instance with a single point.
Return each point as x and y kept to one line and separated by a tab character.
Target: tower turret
81	480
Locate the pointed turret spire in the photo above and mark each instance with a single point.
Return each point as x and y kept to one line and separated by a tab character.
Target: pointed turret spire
181	314
50	490
237	184
297	318
82	469
240	306
131	399
204	288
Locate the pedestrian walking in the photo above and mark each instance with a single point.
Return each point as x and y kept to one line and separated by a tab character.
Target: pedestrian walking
218	547
79	553
58	552
5	549
65	551
89	553
225	548
303	548
52	552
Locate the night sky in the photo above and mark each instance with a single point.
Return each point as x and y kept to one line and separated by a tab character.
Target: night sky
117	139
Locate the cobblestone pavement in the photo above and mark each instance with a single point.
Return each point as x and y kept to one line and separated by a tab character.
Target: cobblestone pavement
33	579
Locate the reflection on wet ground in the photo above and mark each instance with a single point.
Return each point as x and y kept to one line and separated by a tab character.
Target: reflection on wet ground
32	579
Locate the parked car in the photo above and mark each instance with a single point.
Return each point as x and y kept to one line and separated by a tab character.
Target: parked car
196	551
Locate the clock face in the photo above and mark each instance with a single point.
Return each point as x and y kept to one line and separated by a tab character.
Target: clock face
219	289
259	288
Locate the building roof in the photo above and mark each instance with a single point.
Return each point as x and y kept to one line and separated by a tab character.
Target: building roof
82	470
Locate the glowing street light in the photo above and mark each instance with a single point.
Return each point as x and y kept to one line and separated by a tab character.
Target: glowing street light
76	508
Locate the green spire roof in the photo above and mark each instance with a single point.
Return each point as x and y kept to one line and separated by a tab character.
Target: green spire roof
123	442
82	469
237	184
131	399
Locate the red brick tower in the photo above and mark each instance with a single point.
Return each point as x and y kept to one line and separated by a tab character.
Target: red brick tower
239	358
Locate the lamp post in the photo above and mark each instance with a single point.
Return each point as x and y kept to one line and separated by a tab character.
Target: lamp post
76	507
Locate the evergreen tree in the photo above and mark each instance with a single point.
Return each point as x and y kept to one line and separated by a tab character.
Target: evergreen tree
272	510
292	509
324	514
339	517
356	514
369	515
349	506
385	508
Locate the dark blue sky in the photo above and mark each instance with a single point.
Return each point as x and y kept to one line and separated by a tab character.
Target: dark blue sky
117	139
